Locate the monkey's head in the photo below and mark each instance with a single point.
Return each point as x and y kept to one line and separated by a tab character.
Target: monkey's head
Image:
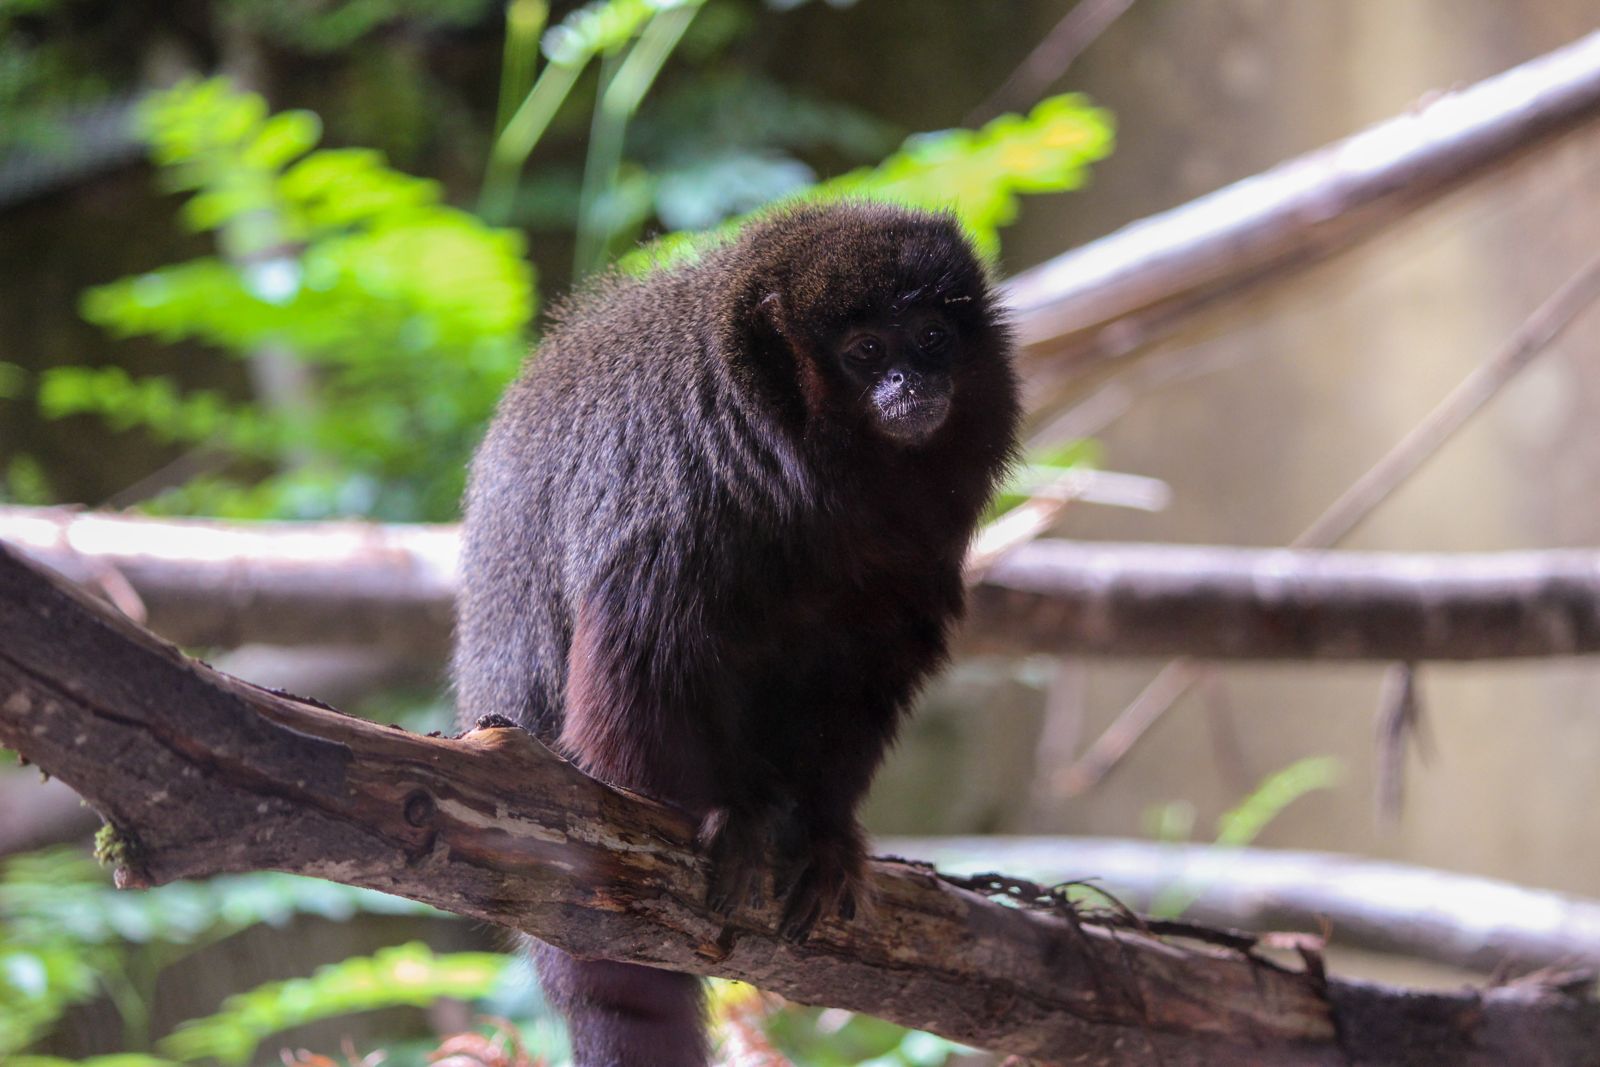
881	319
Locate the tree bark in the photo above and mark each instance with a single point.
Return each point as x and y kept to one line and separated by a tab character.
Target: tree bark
199	773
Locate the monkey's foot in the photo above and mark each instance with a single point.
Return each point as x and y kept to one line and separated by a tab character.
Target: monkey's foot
828	879
735	845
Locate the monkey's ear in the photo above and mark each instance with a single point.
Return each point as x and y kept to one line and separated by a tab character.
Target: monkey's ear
798	356
770	308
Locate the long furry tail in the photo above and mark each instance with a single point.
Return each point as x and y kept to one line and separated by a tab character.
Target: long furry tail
623	1014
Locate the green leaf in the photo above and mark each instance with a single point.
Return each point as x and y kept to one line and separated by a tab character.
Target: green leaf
198	417
285	136
978	174
23	481
408	975
1244	822
600	26
1240	825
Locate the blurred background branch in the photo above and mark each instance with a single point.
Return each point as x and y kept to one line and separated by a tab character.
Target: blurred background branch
352	584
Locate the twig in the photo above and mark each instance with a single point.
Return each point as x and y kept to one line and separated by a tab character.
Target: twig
1118	394
1534	336
1399	716
187	465
1169	686
1050	58
1058	738
1030	519
1227	746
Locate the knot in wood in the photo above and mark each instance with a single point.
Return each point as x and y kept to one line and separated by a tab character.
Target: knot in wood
419	808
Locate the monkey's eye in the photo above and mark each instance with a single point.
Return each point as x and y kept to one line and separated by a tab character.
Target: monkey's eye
932	337
866	349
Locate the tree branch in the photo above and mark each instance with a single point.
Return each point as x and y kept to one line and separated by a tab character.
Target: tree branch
200	773
1243	603
203	582
1100	302
220	584
1455	919
1049	59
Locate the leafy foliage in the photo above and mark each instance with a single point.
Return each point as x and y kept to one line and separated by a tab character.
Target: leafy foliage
65	931
726	144
23	481
977	174
38	982
832	1038
409	316
405	975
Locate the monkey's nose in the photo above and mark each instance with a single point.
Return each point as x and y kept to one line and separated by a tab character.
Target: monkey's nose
903	380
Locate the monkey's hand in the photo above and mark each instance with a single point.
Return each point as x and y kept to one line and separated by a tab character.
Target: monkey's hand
824	876
735	844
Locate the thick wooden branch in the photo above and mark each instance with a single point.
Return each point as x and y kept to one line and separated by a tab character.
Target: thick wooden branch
220	584
1459	920
200	773
1238	603
210	583
1115	295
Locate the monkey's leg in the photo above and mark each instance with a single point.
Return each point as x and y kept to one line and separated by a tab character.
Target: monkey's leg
625	1015
822	851
633	716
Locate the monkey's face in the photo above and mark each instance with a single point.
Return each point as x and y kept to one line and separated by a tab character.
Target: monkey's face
901	371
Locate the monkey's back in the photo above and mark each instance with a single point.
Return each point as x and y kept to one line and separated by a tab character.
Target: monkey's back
625	451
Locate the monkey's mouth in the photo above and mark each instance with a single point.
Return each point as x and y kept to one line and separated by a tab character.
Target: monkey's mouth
912	420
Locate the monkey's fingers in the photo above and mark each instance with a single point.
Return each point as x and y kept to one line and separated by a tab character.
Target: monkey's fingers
815	897
830	883
801	914
734	849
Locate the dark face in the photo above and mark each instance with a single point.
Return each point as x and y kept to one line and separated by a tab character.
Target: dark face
901	372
